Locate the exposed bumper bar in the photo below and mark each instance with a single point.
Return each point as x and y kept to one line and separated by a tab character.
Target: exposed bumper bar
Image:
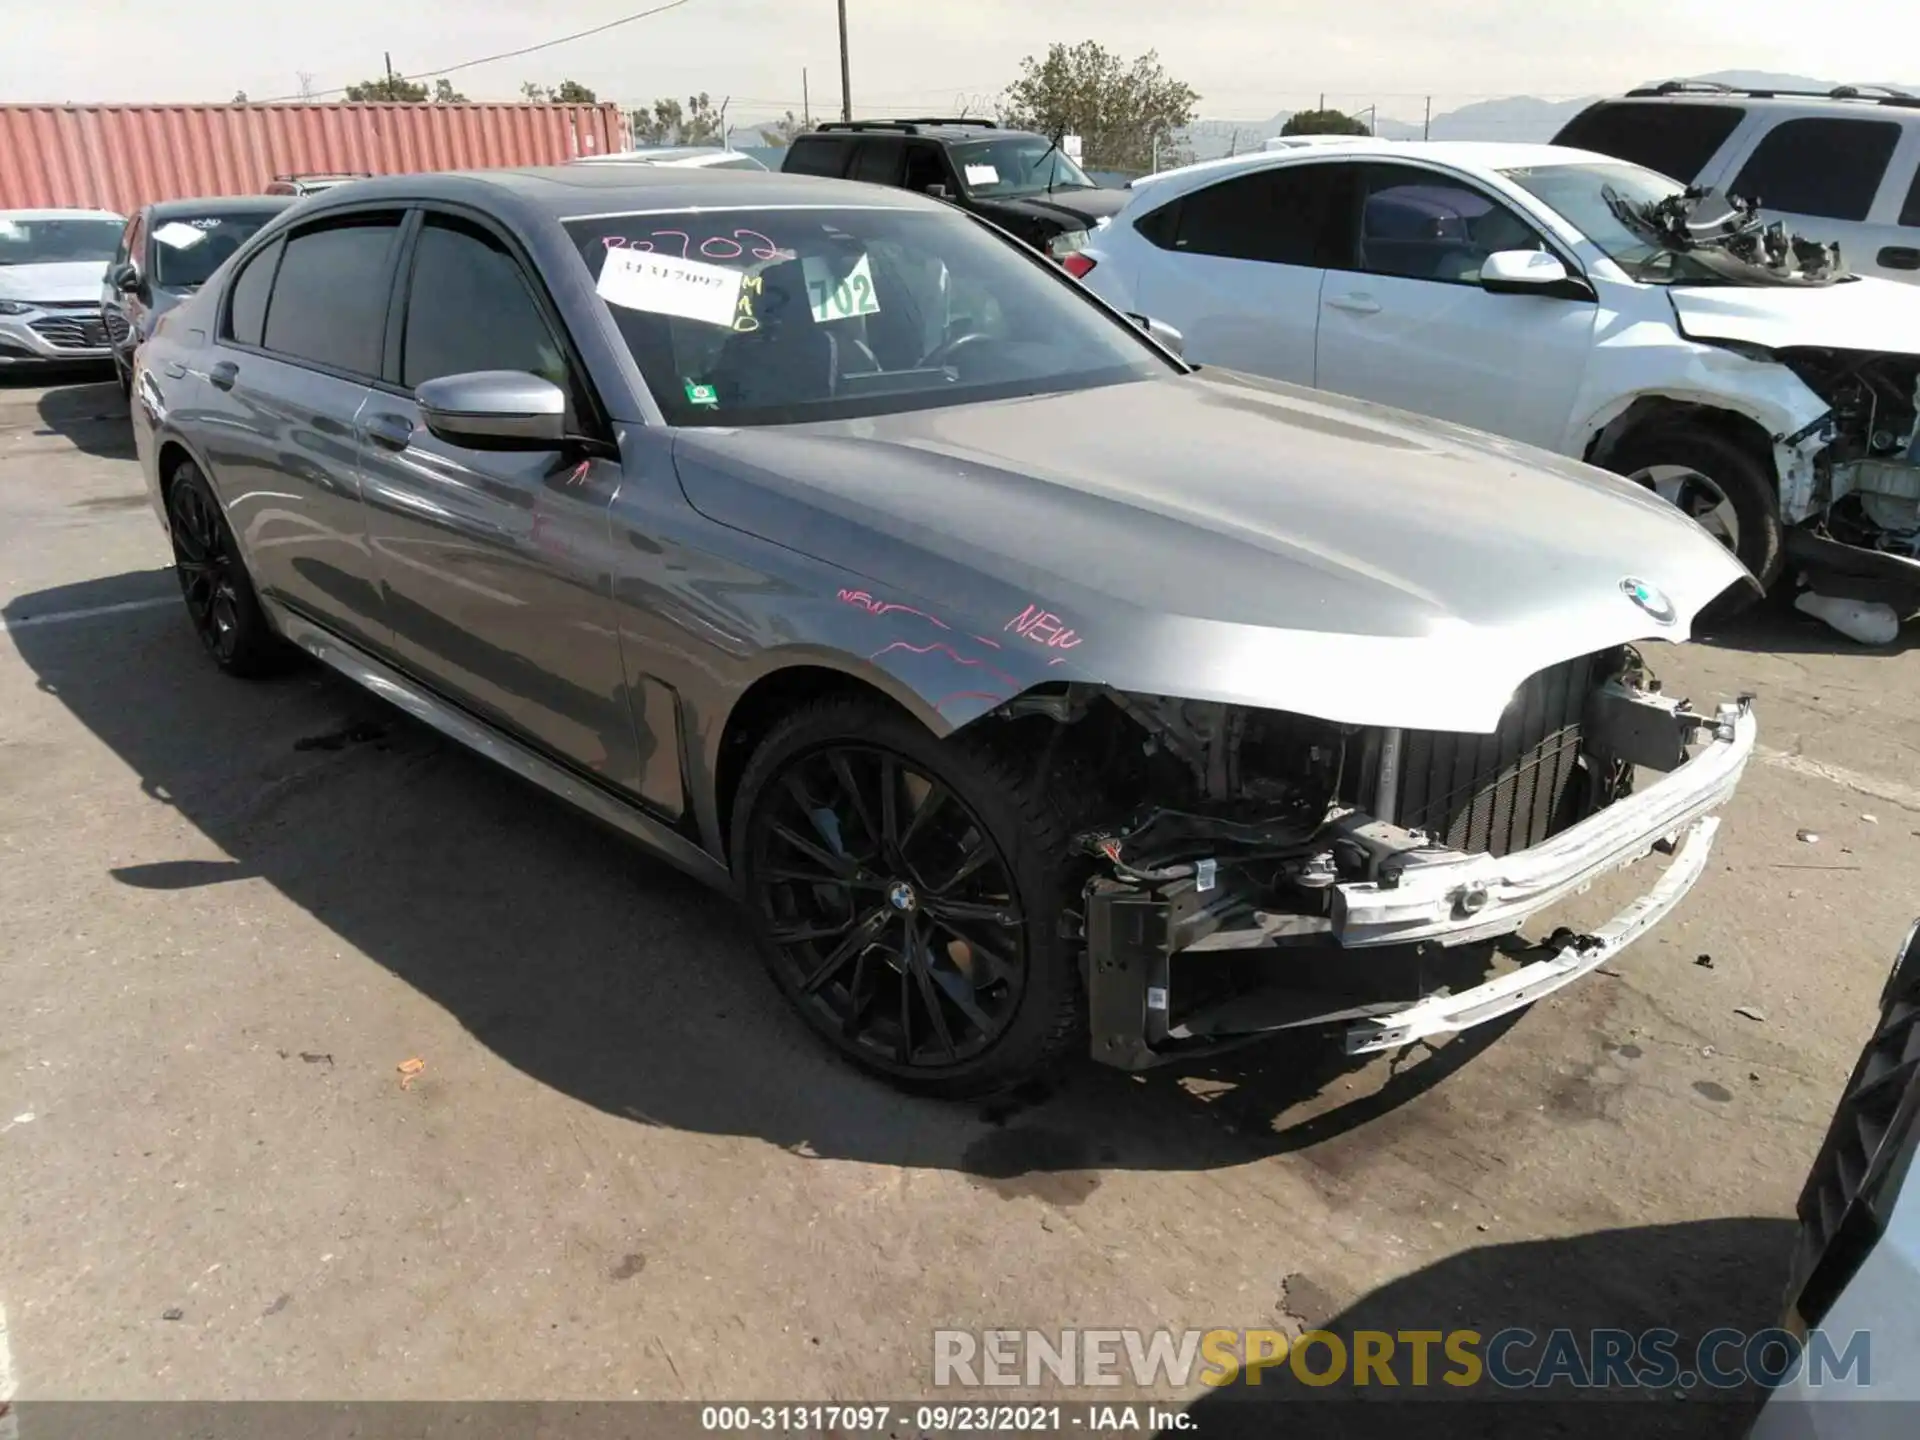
1443	1014
1459	899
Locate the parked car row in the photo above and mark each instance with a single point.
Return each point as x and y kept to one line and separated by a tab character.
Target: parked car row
1031	689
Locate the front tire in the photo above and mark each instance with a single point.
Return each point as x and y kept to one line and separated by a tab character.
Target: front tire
220	598
1729	492
905	893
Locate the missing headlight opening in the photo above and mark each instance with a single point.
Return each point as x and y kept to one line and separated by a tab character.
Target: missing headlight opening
1242	871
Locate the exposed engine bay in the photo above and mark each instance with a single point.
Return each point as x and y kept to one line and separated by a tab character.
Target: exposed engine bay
1220	849
1869	474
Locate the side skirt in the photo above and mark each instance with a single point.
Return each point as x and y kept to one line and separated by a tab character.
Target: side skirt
456	724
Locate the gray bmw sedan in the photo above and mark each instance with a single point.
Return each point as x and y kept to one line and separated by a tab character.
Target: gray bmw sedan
1031	689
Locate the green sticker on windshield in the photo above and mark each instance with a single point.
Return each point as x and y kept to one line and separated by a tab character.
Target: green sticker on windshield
704	395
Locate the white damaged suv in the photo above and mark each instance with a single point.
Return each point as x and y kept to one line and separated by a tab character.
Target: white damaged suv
1565	299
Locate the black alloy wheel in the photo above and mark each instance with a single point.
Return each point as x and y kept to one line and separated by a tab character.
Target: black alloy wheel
904	892
221	603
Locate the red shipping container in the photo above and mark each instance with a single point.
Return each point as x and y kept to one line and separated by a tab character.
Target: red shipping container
119	157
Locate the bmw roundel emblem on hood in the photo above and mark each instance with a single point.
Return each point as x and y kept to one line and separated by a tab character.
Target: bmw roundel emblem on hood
1650	598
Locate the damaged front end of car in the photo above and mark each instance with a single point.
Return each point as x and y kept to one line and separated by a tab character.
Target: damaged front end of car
1246	871
1859	527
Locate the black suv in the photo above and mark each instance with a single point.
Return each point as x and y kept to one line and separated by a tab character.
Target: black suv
1022	182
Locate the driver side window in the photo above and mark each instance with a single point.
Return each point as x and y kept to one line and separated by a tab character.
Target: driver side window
1422	225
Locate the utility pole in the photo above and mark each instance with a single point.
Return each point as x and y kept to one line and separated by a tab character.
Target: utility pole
846	78
806	102
1426	125
387	55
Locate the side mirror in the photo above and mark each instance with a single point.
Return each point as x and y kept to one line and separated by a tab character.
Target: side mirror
125	278
495	410
1530	272
1168	337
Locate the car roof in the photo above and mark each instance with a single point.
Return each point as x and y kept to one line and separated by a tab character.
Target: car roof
1841	100
572	191
1460	154
925	129
225	204
57	214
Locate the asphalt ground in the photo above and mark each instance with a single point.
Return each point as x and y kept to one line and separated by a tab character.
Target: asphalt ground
229	912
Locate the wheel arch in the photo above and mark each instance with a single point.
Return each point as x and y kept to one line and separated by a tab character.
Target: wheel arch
1650	414
791	681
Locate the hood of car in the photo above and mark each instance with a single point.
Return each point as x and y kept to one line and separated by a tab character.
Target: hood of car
64	280
1071	209
1219	537
1859	314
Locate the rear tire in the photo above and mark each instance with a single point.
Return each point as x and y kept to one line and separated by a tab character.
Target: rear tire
920	935
1720	484
221	602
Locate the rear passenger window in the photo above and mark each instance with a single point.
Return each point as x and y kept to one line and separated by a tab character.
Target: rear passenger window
469	308
1676	140
1826	167
879	162
1910	211
816	157
329	303
1292	215
247	309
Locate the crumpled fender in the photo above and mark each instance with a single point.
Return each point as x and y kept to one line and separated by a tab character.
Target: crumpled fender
1636	363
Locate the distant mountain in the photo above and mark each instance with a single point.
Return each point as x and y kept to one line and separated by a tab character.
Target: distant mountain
1525	118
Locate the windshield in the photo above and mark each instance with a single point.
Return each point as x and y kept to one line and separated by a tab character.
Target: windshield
1579	192
57	242
761	317
188	249
1023	165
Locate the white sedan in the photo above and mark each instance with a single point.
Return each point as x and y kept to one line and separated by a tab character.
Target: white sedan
1564	299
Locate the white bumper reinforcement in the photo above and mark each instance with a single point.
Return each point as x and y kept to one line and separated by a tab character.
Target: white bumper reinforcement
1478	897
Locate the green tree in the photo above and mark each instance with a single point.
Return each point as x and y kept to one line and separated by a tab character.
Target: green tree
781	131
239	97
445	94
1120	110
1324	122
567	92
668	123
389	87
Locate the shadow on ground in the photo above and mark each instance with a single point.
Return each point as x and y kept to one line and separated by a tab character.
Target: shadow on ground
92	417
608	976
1689	1278
1774	627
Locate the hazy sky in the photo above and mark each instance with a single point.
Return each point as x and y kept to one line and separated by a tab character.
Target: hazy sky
1247	58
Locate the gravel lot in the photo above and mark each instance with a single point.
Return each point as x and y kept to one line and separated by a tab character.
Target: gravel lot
229	912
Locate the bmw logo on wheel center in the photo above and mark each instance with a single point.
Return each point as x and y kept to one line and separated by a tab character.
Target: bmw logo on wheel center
902	897
1650	598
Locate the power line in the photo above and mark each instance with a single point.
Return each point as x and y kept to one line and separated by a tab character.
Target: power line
508	54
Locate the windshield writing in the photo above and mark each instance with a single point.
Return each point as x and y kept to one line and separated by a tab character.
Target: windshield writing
768	317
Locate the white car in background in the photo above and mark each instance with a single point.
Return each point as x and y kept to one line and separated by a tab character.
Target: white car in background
51	266
1567	300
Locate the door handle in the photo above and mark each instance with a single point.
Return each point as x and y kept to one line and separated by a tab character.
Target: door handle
223	375
395	432
1900	257
1356	304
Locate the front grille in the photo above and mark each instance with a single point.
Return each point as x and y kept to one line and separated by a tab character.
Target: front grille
1850	1191
75	332
1514	788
